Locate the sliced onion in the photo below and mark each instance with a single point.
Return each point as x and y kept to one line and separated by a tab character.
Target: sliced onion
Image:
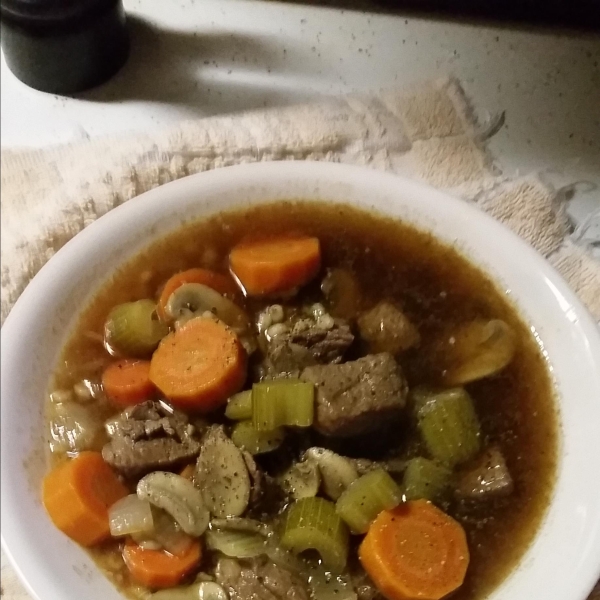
146	544
73	427
130	515
177	496
236	544
302	479
166	534
244	525
337	472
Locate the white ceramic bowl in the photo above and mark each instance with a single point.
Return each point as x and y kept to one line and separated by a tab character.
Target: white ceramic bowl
564	561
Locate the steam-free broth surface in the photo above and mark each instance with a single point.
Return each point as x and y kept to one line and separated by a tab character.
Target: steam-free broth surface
437	289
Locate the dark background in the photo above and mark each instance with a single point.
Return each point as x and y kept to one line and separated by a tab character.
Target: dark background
576	14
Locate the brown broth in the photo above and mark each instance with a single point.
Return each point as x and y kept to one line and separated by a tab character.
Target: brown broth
436	287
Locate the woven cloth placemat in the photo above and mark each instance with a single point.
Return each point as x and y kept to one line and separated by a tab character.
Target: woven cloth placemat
430	132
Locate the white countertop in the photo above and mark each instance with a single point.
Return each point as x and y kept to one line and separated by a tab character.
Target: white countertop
192	58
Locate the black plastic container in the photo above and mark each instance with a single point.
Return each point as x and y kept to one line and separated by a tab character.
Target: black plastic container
64	46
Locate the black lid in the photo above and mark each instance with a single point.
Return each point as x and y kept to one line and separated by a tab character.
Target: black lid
52	10
64	46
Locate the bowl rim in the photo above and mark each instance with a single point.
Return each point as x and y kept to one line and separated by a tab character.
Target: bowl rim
318	171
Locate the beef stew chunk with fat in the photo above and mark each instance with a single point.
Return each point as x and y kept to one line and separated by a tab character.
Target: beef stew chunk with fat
258	578
148	437
297	343
285	400
358	396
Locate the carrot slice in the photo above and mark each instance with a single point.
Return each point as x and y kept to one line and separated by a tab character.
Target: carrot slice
77	495
218	282
199	366
415	552
127	382
275	264
157	568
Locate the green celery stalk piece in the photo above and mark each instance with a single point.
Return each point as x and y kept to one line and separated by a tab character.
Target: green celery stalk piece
245	437
133	329
313	524
366	497
448	424
284	402
425	479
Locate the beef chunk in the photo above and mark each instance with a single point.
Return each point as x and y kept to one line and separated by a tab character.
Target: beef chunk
150	436
387	329
326	344
488	478
309	342
357	397
258	579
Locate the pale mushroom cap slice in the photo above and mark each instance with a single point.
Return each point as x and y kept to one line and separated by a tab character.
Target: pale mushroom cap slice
222	475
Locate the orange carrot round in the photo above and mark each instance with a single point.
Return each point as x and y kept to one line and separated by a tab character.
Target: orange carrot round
199	366
157	568
127	382
415	552
77	495
218	282
275	264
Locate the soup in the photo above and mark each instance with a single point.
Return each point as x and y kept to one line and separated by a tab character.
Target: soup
257	404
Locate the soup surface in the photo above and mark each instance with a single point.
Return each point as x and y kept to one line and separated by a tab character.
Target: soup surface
433	329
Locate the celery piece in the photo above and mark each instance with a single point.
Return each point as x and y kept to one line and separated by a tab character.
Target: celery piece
425	479
448	424
245	437
313	524
133	328
366	497
283	402
239	406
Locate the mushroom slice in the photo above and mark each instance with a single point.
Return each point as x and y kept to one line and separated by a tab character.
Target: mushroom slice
476	350
222	475
337	472
302	479
197	299
177	496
